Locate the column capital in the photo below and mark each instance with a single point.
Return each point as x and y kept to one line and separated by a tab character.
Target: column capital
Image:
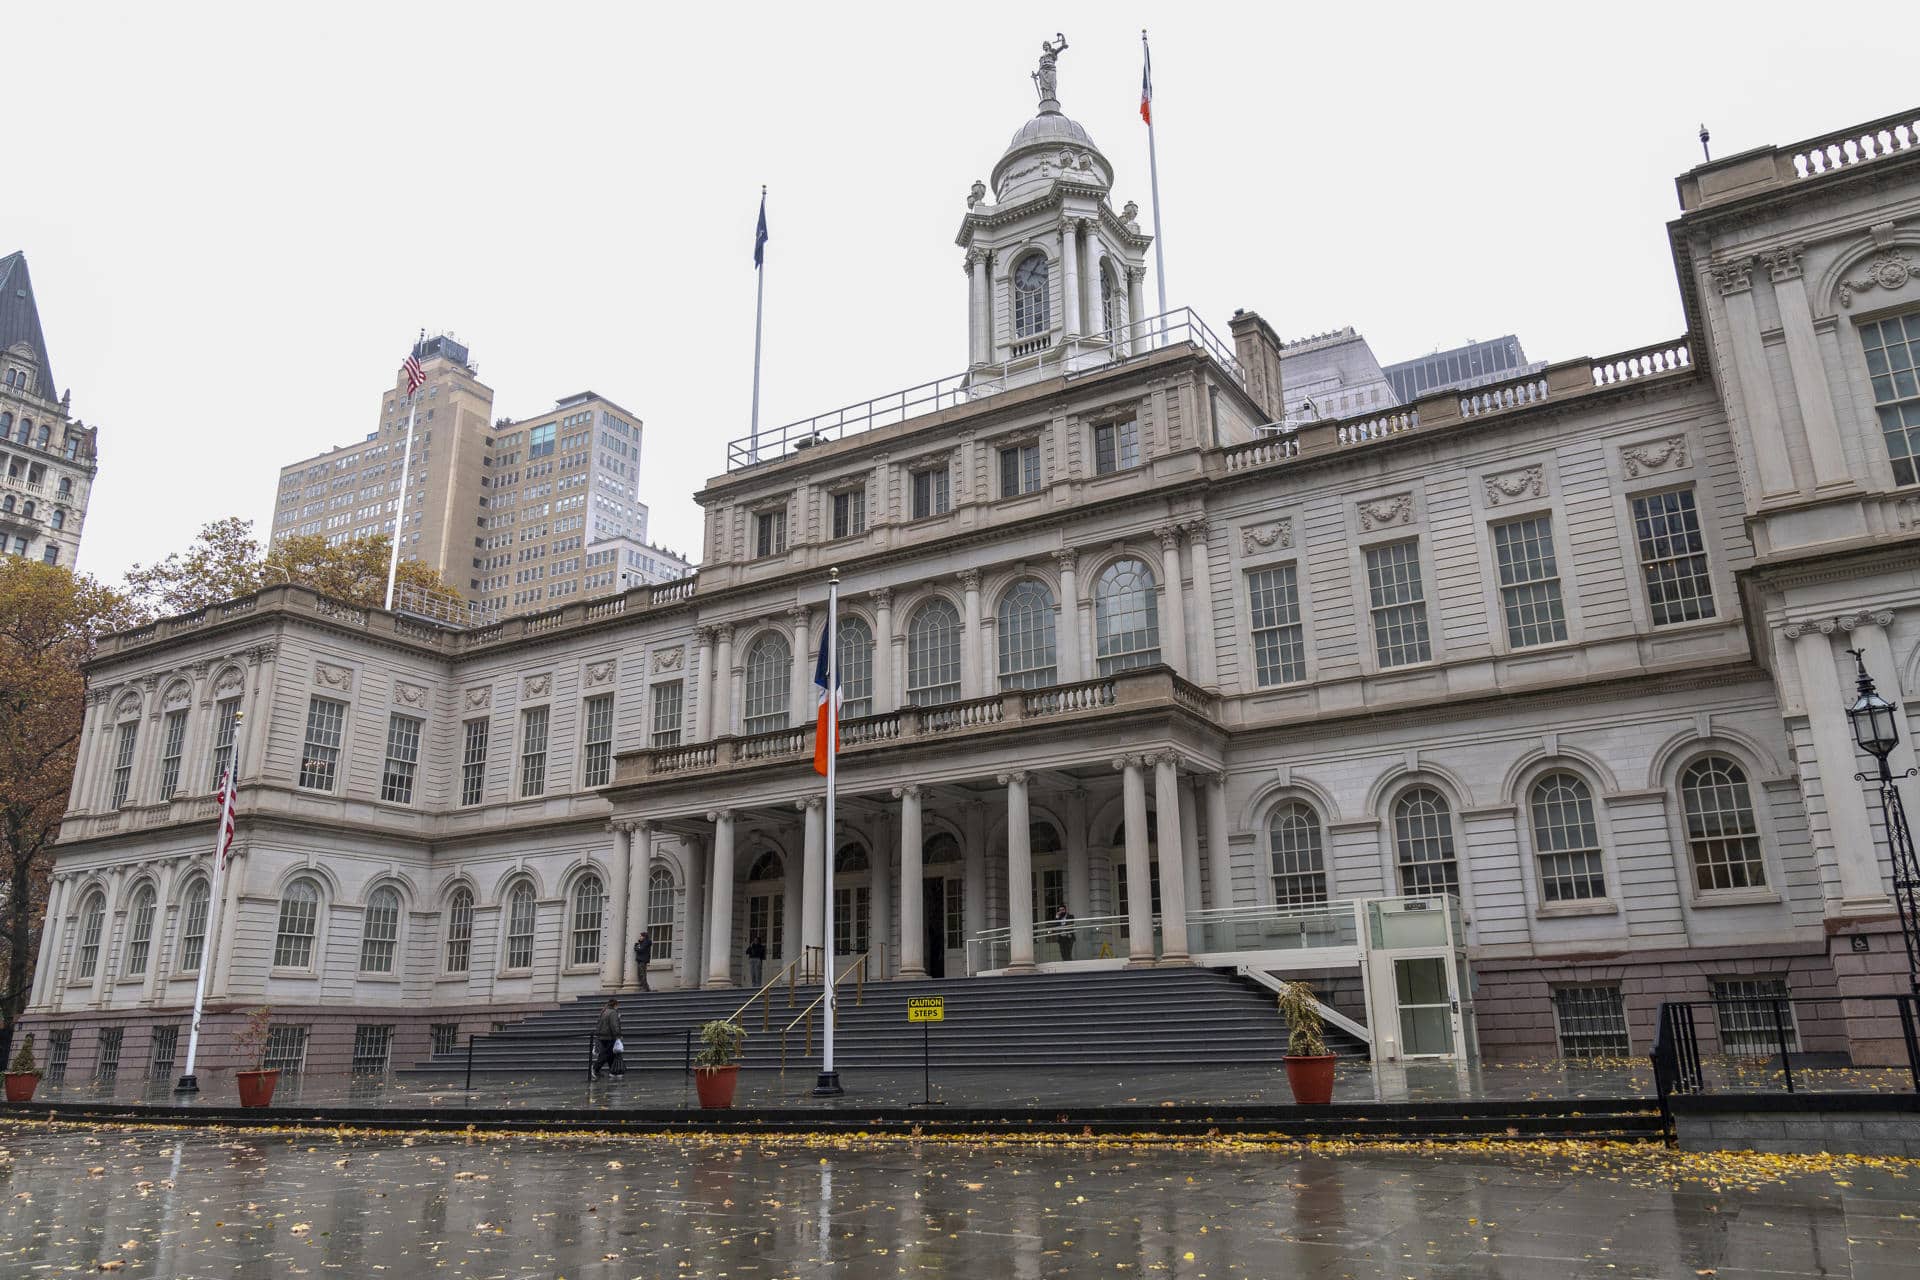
719	815
723	632
1732	276
1881	618
1199	529
1165	757
796	615
1169	535
882	597
1218	778
1068	559
704	633
970	579
911	791
1819	626
809	804
1783	261
1136	275
1129	762
1017	775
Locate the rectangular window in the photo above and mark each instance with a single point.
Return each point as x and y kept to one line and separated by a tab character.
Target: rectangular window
770	533
1398	604
123	763
226	724
1116	447
599	740
326	721
59	1049
286	1050
173	736
372	1048
1529	582
666	713
1758	1018
164	1053
1279	643
106	1067
533	751
473	763
1673	558
446	1038
540	441
660	914
929	493
850	513
1019	470
1893	352
403	758
1592	1021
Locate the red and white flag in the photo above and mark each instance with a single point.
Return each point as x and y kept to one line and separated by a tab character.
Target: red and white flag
223	843
416	376
1146	80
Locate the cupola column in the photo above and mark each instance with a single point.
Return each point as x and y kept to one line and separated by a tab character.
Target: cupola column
1070	274
979	314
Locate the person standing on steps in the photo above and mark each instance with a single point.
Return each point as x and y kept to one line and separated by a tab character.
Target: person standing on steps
642	953
1063	921
607	1043
756	960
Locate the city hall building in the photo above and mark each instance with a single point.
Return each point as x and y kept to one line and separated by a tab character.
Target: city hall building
1562	655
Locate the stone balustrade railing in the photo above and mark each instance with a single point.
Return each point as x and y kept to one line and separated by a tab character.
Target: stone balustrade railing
1750	173
1856	146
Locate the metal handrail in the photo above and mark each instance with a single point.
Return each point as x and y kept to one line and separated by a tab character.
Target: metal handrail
790	972
858	965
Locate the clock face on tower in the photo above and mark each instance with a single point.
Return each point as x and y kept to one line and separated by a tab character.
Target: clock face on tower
1031	275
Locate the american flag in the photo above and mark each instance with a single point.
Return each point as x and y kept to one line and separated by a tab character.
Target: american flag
416	376
224	843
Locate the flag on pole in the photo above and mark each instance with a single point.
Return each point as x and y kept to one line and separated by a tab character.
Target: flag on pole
760	233
416	376
1146	81
827	737
223	842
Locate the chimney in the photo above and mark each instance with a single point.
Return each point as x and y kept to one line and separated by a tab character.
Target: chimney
1258	350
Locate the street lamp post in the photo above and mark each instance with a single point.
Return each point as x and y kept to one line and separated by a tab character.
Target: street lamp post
1876	727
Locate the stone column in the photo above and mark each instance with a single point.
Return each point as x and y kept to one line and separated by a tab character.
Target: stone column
1825	696
1775	466
1219	859
1070	275
1205	658
817	878
800	673
1173	876
1139	870
1066	638
146	757
793	889
723	682
697	853
1079	873
883	696
109	931
613	914
1019	875
913	930
979	331
1190	841
970	683
228	926
707	688
1136	311
639	885
974	901
49	961
157	947
1810	387
1173	612
251	746
880	908
720	895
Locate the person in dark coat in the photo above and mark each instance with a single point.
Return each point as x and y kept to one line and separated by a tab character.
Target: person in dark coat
605	1033
642	953
756	959
1063	920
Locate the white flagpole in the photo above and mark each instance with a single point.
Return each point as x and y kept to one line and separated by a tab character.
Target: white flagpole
829	1082
400	515
759	307
1153	172
228	786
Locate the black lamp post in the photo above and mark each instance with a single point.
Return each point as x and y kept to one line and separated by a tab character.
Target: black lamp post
1876	727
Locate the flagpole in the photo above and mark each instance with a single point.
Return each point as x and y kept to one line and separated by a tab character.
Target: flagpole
759	308
189	1083
1153	172
829	1082
406	466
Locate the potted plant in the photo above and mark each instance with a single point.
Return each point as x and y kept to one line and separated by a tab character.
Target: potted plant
716	1068
256	1083
22	1076
1309	1065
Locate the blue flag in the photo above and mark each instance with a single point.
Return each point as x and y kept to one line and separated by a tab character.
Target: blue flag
760	233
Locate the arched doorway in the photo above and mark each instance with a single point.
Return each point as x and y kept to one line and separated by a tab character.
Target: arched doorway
766	900
1117	868
943	882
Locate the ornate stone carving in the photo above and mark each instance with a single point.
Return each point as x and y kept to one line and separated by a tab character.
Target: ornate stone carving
1783	262
1273	535
1888	270
1047	79
1818	626
340	612
229	681
1732	277
724	633
1017	775
911	789
329	676
1067	559
668	659
1384	513
809	804
882	597
970	579
1521	482
1199	529
262	653
477	699
975	195
538	686
409	695
1169	535
1669	454
599	673
1882	618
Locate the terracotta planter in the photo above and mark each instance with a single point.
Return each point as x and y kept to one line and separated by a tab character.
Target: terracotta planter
256	1087
21	1084
1311	1078
716	1086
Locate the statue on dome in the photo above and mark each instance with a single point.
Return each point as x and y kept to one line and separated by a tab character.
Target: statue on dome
1047	78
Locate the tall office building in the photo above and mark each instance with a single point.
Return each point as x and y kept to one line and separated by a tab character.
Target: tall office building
1474	365
47	458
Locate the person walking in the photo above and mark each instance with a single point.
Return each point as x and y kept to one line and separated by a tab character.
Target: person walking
607	1044
642	953
1063	937
756	959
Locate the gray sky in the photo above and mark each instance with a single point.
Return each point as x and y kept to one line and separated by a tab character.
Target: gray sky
238	216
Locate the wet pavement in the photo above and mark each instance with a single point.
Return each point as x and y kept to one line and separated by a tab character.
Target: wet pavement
212	1203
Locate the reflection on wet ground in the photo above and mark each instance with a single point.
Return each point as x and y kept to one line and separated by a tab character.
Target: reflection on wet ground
213	1203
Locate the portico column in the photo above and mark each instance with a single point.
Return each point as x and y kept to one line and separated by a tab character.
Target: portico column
1811	391
1173	619
639	888
1067	629
1136	312
1070	274
800	671
812	890
613	959
697	853
1019	875
1173	876
880	908
970	684
793	891
720	895
979	338
1775	465
1133	786
1190	841
723	683
43	969
973	916
1079	878
1824	695
1205	668
705	690
913	933
1219	864
883	650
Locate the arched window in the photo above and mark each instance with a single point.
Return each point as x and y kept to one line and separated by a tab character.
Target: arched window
193	926
856	668
1299	867
941	847
933	655
26	429
520	927
769	668
1423	843
6	419
59	519
1026	637
1109	300
852	903
1126	617
660	912
43	435
6	503
93	921
768	866
1722	836
589	904
140	932
26	508
1566	839
1030	296
850	858
381	935
66	487
299	918
460	930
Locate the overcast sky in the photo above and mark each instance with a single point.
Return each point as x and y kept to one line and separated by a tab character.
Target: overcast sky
238	217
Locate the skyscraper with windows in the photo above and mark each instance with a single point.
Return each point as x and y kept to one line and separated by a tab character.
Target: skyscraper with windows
47	455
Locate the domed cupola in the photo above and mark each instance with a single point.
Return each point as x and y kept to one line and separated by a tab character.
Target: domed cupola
1050	145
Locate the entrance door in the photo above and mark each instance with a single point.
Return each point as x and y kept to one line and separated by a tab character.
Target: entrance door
1425	995
933	908
765	921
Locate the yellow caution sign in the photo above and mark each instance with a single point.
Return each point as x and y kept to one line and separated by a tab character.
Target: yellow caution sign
927	1009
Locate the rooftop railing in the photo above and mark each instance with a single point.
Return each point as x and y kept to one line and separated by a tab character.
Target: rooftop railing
1753	172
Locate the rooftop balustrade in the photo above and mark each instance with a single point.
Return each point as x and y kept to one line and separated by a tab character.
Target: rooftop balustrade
1776	168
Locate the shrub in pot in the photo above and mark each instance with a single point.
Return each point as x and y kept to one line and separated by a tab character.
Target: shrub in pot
256	1083
1309	1065
716	1068
22	1076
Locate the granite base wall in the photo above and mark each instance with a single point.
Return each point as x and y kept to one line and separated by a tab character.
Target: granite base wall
1816	1123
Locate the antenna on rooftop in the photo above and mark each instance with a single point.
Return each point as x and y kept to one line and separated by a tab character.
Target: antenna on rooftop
1704	135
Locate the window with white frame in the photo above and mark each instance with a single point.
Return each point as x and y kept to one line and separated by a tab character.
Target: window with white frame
123	762
193	926
1893	353
1529	582
173	742
320	756
1031	300
299	918
520	918
93	923
1423	843
1397	602
769	672
1298	868
1673	557
1116	446
1019	470
403	759
381	935
1279	639
459	948
660	912
473	762
1566	839
1109	301
933	654
1025	627
1723	837
599	757
929	492
855	668
666	696
226	725
139	932
1126	617
533	751
770	533
589	906
1591	1020
849	513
